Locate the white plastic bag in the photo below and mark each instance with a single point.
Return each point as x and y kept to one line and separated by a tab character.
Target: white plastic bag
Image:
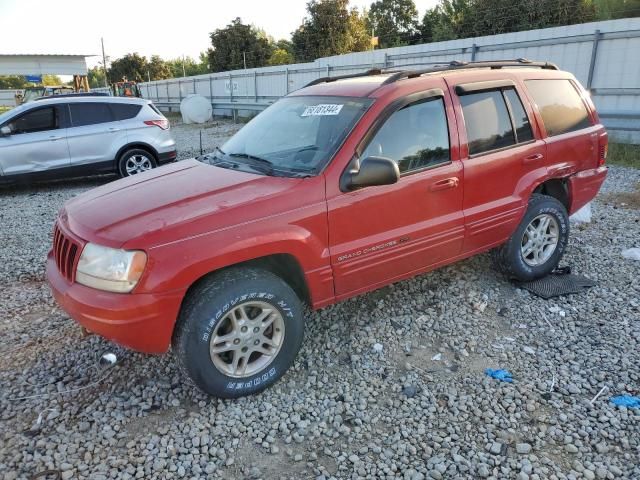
583	215
631	254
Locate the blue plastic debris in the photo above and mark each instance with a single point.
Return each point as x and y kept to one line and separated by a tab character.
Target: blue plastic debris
626	401
502	375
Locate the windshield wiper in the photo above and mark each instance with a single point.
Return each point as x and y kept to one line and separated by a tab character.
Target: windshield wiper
211	156
255	160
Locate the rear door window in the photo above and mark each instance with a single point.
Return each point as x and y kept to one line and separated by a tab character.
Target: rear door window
519	115
487	121
415	137
37	120
560	105
125	111
89	113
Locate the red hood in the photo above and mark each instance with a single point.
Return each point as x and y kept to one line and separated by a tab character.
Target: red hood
170	202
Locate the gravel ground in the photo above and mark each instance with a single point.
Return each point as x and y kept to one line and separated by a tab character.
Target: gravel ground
187	137
387	385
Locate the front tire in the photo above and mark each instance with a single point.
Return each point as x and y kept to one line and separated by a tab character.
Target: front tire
238	332
134	161
536	247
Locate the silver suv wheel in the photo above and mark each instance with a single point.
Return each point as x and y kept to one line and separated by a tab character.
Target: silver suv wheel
137	163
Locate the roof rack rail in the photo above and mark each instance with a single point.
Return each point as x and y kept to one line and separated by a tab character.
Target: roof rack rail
74	95
373	71
454	65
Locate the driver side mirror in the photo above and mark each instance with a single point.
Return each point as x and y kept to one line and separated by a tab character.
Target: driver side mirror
5	131
371	172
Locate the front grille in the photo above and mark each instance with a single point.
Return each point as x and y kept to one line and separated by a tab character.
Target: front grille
65	253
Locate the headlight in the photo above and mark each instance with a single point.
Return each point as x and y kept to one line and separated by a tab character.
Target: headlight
110	269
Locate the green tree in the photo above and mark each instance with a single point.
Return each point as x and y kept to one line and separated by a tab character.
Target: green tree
191	66
236	44
51	80
12	82
452	19
611	9
158	69
95	76
132	66
281	57
330	29
394	22
524	15
448	20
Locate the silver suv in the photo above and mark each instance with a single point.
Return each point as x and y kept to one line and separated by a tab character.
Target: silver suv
83	135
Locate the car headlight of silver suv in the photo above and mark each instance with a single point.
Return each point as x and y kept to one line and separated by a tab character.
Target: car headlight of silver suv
110	269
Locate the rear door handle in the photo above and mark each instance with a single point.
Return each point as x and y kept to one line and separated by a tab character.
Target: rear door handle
444	184
53	138
113	129
532	158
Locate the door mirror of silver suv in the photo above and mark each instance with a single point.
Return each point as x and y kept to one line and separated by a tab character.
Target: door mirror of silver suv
5	131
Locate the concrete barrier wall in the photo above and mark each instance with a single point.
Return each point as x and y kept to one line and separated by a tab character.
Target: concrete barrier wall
7	98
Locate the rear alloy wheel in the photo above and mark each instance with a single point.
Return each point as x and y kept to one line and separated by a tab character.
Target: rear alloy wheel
238	332
540	240
135	161
537	245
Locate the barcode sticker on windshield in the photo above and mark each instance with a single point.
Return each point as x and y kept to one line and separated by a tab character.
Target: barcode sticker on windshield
322	109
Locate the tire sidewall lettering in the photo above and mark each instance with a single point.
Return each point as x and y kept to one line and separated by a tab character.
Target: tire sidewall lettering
250	383
560	248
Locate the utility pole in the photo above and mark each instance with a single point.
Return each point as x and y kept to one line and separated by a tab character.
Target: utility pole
184	73
104	64
148	76
244	59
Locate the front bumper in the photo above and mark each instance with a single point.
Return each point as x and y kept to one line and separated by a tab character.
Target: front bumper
142	322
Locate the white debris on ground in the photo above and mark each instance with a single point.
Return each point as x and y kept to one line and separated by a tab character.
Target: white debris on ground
583	215
344	411
631	253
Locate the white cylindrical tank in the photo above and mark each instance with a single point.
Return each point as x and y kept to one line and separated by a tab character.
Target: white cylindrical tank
195	109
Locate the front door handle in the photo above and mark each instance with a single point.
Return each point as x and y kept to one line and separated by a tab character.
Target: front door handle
532	158
53	138
444	184
113	129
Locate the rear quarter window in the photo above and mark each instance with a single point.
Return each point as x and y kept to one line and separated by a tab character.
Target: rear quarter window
560	105
154	108
125	111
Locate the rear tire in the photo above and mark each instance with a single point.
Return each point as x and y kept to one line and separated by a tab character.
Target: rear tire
238	332
134	161
536	247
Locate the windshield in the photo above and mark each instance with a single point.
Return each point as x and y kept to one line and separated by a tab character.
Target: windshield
297	134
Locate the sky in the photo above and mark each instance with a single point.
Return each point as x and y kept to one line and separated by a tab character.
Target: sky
168	29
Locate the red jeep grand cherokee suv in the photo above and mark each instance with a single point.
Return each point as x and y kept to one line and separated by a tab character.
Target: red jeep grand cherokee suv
339	188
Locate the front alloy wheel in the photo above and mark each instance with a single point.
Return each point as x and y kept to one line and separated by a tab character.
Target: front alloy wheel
247	339
238	332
